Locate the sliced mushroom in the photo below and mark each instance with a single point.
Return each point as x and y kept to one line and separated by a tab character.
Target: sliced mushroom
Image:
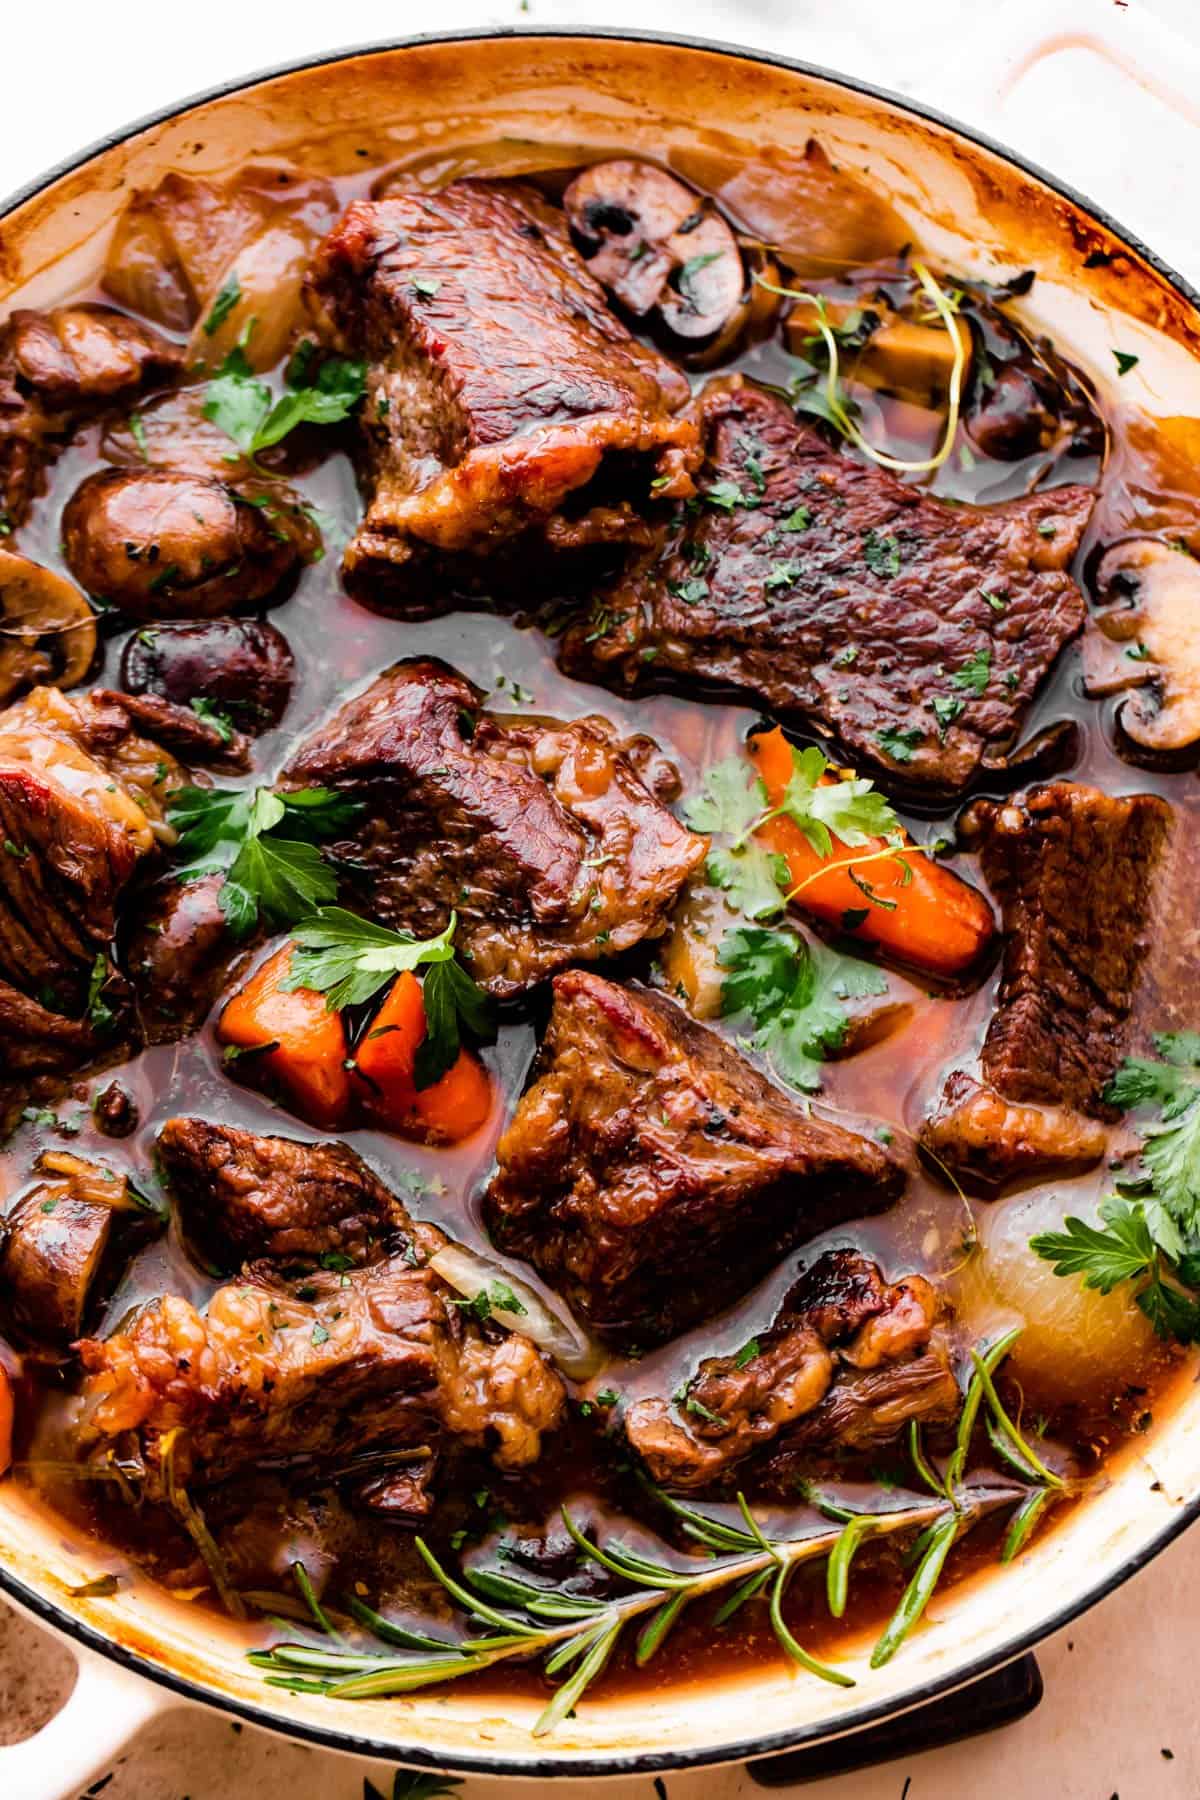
56	1245
654	243
47	628
1148	638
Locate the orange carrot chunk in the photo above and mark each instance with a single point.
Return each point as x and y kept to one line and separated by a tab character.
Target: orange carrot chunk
302	1046
453	1107
917	909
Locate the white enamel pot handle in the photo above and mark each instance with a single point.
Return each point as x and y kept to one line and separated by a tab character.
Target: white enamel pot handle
1150	53
107	1708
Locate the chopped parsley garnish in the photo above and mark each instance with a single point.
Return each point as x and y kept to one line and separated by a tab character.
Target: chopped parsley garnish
212	715
223	305
496	1297
137	431
1137	653
792	993
265	844
881	555
899	742
691	592
100	1015
798	520
692	268
348	959
242	405
726	495
1125	361
997	602
733	802
946	710
975	673
747	1354
782	575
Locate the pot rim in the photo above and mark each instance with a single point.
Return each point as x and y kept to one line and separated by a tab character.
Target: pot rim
642	1762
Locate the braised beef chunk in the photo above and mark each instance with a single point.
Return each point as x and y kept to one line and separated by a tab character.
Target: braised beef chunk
185	733
544	838
80	793
55	369
375	1358
840	1327
506	405
913	632
1075	872
245	1197
650	1173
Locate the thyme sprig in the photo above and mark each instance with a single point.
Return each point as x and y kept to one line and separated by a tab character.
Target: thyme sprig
835	406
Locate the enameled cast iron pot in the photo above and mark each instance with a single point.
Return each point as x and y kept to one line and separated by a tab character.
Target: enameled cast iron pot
972	207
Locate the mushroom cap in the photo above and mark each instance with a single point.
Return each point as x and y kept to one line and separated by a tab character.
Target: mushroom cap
655	243
47	628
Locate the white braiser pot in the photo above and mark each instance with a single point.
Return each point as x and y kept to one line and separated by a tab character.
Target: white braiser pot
971	206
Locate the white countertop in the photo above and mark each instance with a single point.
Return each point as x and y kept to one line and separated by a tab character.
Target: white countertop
1119	1720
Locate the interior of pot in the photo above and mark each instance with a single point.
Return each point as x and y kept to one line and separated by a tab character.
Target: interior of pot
738	125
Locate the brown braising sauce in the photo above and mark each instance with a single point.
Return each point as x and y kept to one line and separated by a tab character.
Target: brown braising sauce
264	1526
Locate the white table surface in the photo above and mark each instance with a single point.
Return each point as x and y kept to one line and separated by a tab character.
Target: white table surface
1120	1719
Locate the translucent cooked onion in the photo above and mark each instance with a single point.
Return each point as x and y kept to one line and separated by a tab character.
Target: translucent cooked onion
577	1354
1075	1340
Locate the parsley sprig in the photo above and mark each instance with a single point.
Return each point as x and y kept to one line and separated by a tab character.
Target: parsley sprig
792	994
1150	1230
244	408
349	959
266	845
733	802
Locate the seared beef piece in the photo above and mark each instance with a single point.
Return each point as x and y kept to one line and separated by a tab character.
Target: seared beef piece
57	368
243	667
846	599
59	884
185	733
543	837
839	1321
404	1496
80	793
975	1130
166	544
507	408
244	1197
1075	872
651	1174
178	956
377	1358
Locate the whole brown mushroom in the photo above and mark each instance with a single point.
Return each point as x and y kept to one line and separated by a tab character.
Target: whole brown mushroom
47	628
167	544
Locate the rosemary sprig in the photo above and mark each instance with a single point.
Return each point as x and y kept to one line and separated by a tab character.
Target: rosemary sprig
576	1634
580	1632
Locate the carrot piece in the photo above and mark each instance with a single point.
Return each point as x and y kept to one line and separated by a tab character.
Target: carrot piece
308	1050
451	1108
7	1411
929	916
